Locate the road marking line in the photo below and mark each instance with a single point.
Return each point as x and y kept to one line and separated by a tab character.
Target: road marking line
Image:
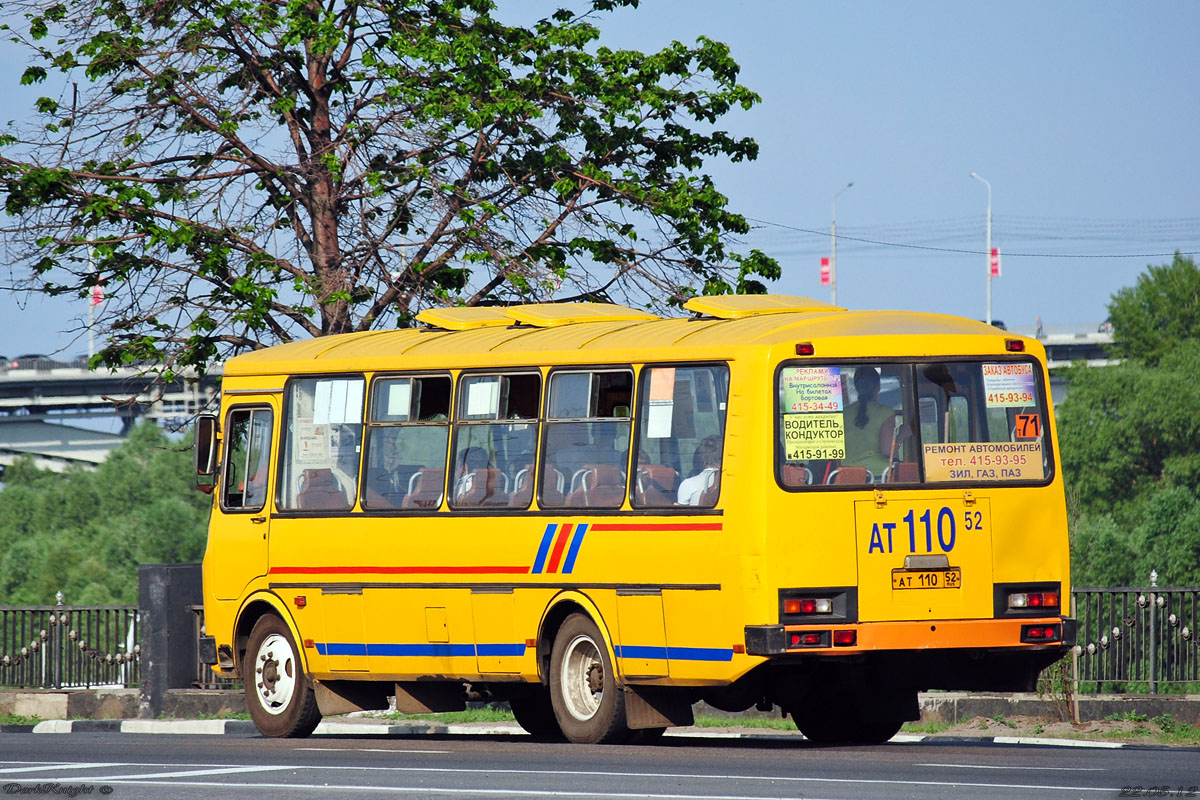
187	773
1057	742
996	766
58	765
365	750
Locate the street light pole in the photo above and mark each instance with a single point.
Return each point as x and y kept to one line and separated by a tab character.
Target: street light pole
833	244
987	252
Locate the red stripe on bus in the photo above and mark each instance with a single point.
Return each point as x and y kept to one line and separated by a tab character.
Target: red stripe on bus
560	544
399	570
662	526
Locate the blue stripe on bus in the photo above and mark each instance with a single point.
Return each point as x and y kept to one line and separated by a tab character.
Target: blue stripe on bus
675	653
515	649
437	649
544	548
576	541
500	649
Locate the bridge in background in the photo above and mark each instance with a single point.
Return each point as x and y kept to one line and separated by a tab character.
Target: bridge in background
43	403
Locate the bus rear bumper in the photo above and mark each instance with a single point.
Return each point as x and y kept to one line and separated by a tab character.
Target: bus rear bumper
846	639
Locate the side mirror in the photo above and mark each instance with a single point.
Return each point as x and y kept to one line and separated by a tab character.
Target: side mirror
205	452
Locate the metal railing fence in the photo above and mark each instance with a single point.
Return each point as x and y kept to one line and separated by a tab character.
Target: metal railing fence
1137	639
59	647
1130	640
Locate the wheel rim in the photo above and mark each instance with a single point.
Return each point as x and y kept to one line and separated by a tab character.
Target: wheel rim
275	674
582	680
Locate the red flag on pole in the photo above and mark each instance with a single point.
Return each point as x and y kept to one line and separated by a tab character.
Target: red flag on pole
995	262
97	295
825	271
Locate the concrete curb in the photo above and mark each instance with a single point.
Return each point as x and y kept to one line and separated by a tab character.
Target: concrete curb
363	727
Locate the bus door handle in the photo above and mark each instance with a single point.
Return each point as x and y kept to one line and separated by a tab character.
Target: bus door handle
258	520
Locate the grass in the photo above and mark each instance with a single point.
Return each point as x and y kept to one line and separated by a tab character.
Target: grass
762	723
224	715
926	727
16	719
456	717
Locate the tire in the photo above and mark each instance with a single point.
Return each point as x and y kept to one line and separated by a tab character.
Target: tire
588	701
279	696
535	713
859	720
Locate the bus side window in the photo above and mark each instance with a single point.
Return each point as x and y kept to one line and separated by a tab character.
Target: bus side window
408	430
495	437
322	444
681	428
247	459
586	449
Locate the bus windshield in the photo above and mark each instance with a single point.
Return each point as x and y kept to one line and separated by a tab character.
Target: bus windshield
953	421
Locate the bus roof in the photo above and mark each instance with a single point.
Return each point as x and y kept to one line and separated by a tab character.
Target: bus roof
722	327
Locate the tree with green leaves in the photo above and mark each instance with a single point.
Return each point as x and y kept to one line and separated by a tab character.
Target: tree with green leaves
85	532
1163	309
1130	439
239	173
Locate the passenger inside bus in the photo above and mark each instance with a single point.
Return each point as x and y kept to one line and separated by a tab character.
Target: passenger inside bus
702	487
869	427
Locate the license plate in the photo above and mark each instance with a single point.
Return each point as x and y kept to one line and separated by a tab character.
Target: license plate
927	579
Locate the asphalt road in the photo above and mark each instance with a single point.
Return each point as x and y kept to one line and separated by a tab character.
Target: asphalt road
186	766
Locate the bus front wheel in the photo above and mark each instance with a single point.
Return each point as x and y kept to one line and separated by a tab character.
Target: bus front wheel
588	701
279	696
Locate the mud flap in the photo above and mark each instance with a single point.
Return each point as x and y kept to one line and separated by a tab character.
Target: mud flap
655	707
343	697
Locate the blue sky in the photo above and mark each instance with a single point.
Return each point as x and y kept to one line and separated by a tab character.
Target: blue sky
1082	116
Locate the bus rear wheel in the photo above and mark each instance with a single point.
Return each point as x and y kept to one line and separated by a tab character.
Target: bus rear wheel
534	712
279	696
858	717
587	698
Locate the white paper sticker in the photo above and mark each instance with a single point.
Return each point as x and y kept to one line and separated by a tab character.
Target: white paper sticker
354	402
399	399
321	402
483	398
658	426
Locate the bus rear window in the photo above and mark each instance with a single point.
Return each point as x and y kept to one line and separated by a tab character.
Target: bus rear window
916	423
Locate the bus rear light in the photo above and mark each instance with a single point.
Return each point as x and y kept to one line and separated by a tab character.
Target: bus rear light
808	639
805	349
1025	600
1014	345
807	605
1041	633
845	638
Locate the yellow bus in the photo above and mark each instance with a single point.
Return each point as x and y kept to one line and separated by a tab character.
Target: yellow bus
603	516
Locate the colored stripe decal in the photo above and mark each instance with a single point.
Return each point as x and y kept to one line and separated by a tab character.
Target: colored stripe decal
500	649
580	531
560	543
675	653
657	527
514	649
544	548
375	570
438	649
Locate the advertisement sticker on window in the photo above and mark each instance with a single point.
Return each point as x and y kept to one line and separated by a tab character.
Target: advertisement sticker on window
811	389
1009	385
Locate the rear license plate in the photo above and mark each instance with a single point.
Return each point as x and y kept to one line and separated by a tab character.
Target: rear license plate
927	579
